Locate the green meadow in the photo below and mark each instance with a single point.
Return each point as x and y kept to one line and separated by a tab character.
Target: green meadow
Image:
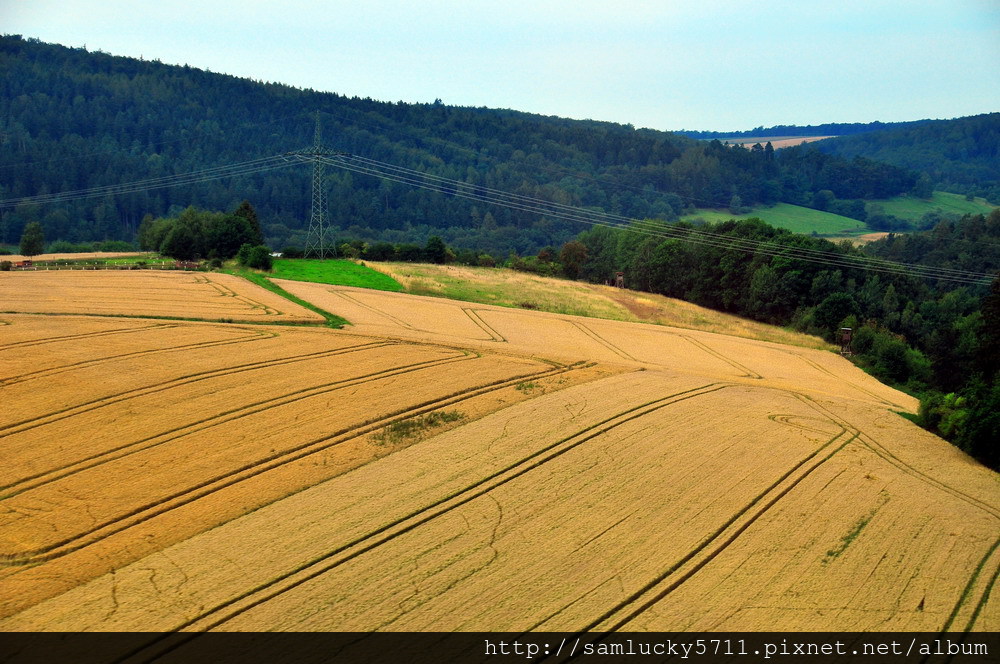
792	217
338	272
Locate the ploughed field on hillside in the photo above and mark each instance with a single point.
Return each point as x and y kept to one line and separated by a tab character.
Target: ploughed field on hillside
441	465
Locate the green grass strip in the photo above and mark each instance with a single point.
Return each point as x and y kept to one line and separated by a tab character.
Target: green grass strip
332	320
335	272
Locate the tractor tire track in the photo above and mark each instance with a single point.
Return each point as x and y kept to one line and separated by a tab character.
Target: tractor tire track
473	314
876	448
226	291
164	504
984	595
747	372
719	540
43	373
321	564
601	340
215	420
844	381
397	321
84	335
168	385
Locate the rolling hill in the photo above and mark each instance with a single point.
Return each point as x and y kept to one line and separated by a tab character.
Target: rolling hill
79	121
443	465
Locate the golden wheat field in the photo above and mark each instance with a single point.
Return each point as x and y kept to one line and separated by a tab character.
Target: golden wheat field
441	465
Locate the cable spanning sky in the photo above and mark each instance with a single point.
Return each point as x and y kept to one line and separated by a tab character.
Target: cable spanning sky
668	64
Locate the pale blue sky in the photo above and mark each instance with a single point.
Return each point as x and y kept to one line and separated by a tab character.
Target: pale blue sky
692	64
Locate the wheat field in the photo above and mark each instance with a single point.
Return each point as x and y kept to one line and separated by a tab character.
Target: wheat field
441	465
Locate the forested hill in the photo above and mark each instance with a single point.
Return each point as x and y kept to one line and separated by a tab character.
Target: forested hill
961	155
72	120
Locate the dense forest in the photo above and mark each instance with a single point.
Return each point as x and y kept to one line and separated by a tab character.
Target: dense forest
73	120
960	156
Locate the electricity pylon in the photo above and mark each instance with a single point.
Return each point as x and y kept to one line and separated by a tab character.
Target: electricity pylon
316	237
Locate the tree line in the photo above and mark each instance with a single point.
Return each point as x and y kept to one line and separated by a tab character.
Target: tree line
71	119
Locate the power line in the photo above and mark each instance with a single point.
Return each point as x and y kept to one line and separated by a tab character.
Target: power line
479	193
206	175
652	228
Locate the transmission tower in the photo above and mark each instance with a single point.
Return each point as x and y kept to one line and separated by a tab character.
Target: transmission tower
316	237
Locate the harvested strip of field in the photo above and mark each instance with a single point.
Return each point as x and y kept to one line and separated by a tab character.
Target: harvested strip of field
186	295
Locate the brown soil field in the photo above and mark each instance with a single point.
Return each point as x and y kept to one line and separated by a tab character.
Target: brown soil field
544	472
868	237
777	142
196	295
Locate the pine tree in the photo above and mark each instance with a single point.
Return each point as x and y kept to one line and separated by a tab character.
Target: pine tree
246	211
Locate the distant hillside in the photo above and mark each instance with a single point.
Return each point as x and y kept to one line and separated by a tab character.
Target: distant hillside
828	129
75	120
961	156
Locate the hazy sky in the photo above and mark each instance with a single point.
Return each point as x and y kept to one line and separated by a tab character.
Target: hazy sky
671	64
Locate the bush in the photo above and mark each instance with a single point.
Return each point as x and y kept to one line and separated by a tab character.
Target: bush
380	251
258	258
5	266
292	252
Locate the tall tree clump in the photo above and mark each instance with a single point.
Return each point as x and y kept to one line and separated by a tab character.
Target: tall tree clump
32	239
195	233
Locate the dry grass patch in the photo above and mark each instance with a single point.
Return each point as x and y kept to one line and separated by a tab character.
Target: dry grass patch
509	288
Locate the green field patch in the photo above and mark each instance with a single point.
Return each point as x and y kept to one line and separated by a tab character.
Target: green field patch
414	427
335	272
333	320
911	208
795	218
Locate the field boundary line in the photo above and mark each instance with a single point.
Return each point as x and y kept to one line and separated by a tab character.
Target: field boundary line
189	494
51	371
325	562
747	372
473	314
112	399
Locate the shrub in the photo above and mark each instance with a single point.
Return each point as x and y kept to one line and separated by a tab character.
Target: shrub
5	266
258	258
